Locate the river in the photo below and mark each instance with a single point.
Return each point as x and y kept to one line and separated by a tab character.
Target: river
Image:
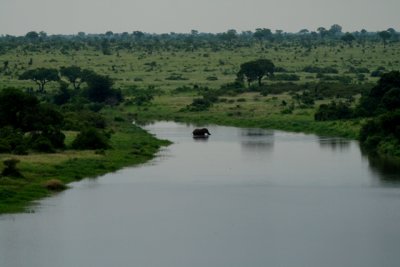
243	197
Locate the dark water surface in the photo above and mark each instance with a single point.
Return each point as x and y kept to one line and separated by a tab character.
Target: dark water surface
244	197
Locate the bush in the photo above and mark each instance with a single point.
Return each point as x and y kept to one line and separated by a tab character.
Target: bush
212	78
90	138
333	111
4	146
11	168
313	69
285	77
233	88
42	144
199	104
381	131
84	119
176	77
182	89
54	185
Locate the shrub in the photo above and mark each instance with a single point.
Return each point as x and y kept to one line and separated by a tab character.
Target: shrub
90	138
212	78
182	89
11	168
199	104
54	185
42	144
314	69
4	146
233	88
285	77
176	77
333	111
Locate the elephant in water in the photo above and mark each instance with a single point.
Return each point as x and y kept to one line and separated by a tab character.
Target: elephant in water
201	132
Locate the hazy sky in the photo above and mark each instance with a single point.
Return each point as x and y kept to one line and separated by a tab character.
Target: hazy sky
17	17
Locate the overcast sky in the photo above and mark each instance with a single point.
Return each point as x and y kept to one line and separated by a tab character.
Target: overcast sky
17	17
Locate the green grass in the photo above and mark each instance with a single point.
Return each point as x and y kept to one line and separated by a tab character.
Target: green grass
256	111
195	67
131	146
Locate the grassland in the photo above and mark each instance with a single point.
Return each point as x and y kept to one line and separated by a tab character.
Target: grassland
130	146
168	70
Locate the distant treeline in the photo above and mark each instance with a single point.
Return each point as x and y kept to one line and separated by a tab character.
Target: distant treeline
138	40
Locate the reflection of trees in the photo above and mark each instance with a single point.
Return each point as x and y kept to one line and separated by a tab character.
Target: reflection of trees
334	143
257	140
387	170
258	145
256	132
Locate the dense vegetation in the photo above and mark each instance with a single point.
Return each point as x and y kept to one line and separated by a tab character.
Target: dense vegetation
76	96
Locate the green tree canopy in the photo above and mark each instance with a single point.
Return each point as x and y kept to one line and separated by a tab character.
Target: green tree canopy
255	70
385	36
382	97
100	89
41	76
74	74
348	38
21	112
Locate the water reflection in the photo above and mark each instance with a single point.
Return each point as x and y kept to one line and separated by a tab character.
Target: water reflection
200	139
333	143
243	197
256	132
387	170
257	140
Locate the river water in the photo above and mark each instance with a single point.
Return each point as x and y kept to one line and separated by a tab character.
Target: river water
243	197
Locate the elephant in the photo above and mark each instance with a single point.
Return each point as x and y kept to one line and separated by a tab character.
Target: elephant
201	132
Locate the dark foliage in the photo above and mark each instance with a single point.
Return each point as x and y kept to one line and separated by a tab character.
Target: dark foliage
76	120
333	111
11	168
384	128
255	70
323	70
22	115
91	138
40	76
383	97
100	89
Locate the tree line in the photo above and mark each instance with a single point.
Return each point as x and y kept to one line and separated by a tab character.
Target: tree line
35	120
109	41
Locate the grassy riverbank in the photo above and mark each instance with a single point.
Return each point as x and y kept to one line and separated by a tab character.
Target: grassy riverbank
130	146
327	71
246	110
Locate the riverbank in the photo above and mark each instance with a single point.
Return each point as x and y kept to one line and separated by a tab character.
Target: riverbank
246	110
131	146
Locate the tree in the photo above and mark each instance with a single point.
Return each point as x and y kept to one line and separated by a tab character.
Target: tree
32	36
74	74
23	113
90	138
229	35
15	107
382	97
100	89
262	34
348	38
322	32
41	76
138	35
304	31
385	36
256	70
335	30
143	97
